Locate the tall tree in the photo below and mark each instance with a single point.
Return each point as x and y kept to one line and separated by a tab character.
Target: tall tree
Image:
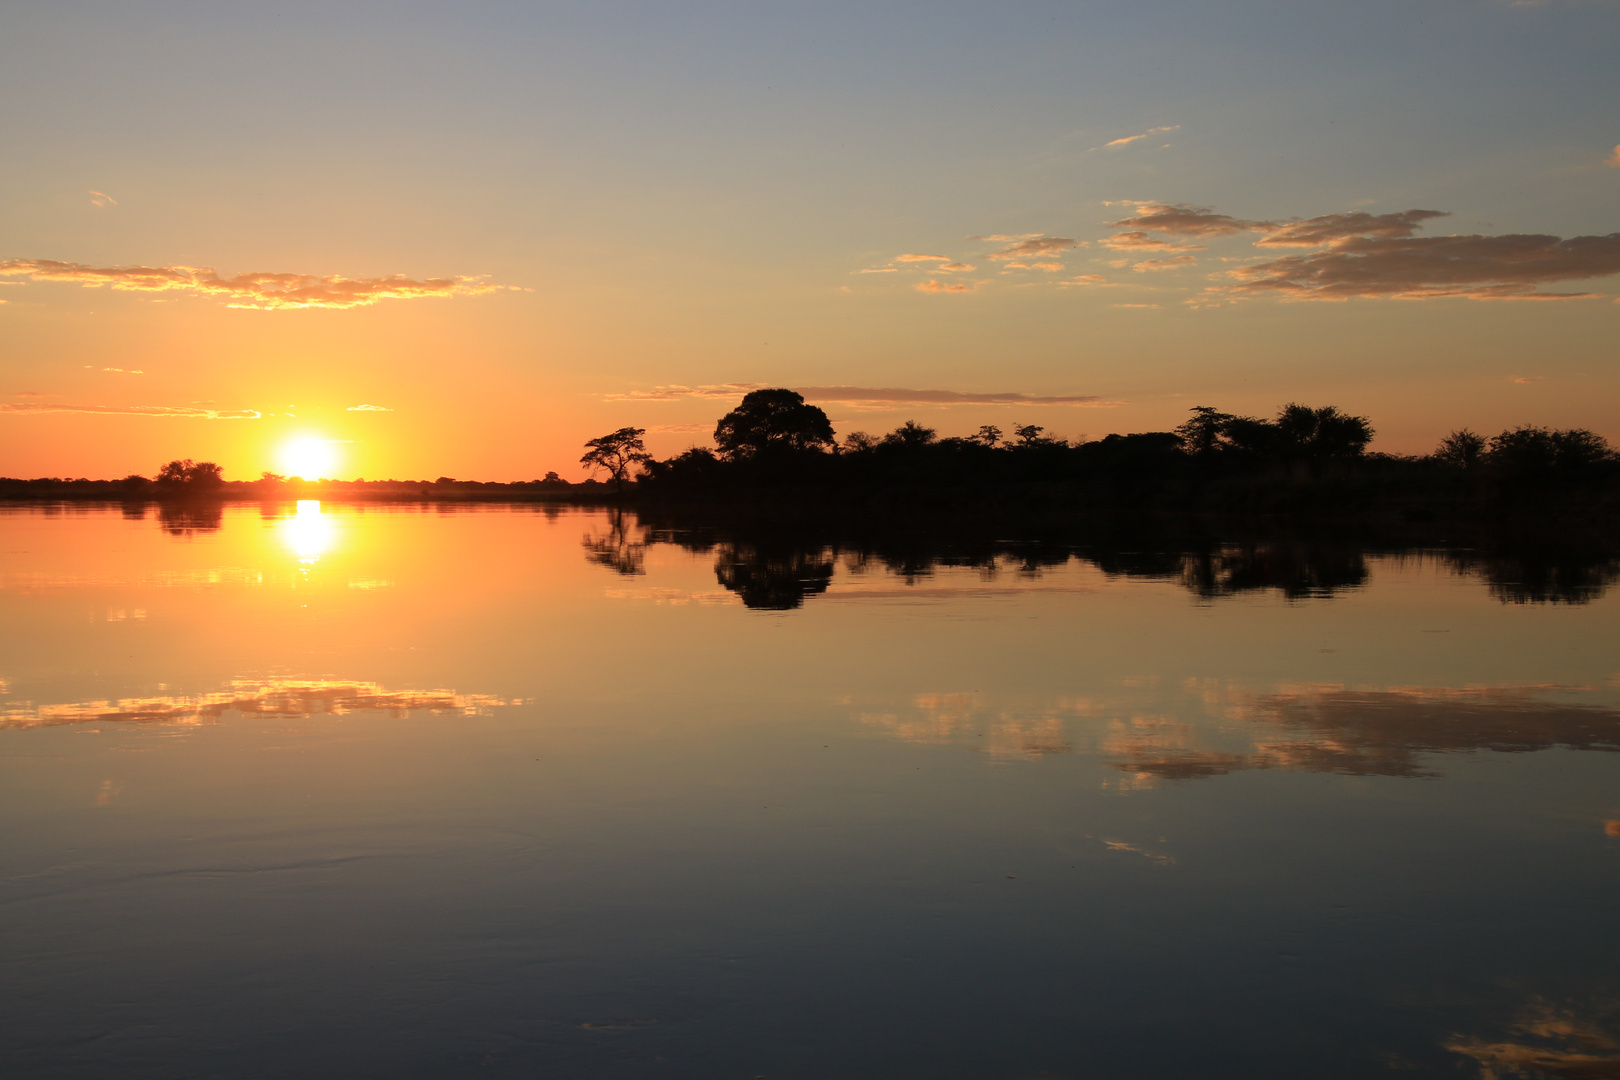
772	419
618	452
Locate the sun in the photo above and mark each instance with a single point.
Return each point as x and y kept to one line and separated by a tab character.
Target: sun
308	457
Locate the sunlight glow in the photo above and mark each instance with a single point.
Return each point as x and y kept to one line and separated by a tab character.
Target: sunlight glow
309	457
308	533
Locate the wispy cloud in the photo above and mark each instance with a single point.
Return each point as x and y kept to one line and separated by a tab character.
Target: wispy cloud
872	395
1152	265
923	258
188	411
677	392
933	286
1032	247
1614	158
1148	134
851	395
262	291
680	429
1049	267
102	199
368	408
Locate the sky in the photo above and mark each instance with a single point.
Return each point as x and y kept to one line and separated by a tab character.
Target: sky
462	239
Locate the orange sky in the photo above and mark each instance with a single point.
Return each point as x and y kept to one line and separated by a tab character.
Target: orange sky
504	232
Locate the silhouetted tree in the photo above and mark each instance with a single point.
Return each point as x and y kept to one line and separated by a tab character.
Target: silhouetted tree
190	476
618	452
1204	432
910	434
1532	453
772	419
1324	432
859	440
1462	448
1028	434
989	435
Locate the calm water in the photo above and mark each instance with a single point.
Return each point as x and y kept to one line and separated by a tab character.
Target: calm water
340	792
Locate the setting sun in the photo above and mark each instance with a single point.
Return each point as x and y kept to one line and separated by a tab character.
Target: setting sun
308	457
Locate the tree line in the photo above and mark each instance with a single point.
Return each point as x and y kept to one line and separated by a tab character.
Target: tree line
775	441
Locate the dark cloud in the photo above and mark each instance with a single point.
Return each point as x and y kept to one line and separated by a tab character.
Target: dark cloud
1136	240
1034	247
1478	267
1330	228
1181	220
1370	732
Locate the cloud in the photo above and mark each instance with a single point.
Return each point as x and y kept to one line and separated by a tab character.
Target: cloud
102	199
1033	247
1049	267
261	291
954	268
132	410
368	408
870	395
1378	255
1476	267
1137	240
1182	220
1335	228
1149	133
1151	265
923	258
274	698
677	392
1614	158
32	394
1084	279
932	286
880	270
852	395
681	429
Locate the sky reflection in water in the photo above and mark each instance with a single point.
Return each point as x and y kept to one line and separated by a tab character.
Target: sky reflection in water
425	792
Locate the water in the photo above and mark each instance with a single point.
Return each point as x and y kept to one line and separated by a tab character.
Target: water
328	791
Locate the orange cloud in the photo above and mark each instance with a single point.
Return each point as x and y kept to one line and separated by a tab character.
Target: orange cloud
954	268
102	199
932	286
131	410
261	291
368	408
1614	158
1149	133
924	258
1150	265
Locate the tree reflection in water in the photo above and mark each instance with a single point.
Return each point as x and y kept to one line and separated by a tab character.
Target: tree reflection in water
776	567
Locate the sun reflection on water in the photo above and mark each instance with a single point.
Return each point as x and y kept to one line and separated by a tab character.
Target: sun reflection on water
309	533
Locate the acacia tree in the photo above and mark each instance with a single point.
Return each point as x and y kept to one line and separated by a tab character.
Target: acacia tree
618	452
772	419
